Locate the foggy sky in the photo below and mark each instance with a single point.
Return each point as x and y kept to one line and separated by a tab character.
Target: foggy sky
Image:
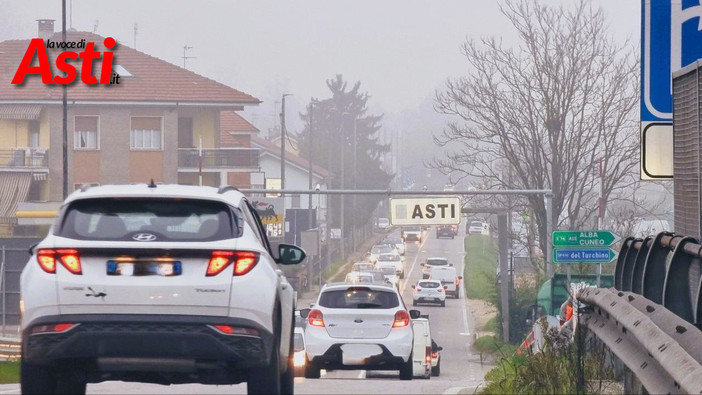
400	50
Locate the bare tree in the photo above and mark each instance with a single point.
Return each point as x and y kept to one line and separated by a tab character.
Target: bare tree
545	114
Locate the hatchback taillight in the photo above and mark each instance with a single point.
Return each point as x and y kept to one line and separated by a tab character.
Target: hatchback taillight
441	290
68	257
315	318
402	319
243	262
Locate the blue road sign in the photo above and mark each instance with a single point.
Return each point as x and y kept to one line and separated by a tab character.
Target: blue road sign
584	255
671	38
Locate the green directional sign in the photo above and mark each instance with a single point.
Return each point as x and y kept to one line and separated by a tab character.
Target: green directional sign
583	255
584	238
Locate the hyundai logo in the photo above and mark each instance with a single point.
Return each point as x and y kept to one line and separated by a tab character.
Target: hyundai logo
144	237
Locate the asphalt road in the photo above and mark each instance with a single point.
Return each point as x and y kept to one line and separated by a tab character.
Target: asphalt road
452	328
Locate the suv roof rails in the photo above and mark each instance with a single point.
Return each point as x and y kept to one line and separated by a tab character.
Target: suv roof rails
227	188
85	187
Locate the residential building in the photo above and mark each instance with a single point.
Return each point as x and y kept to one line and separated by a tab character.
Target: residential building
161	123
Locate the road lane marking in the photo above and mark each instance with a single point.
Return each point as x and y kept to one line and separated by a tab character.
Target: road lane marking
414	263
362	374
10	391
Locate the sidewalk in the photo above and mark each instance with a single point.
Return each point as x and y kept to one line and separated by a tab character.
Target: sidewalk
305	298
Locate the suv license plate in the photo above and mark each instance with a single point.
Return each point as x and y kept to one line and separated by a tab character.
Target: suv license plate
115	268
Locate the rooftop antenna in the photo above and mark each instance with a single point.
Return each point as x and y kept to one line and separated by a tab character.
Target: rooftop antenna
136	29
185	57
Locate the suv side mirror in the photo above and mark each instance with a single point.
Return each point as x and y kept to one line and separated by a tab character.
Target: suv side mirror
289	254
304	313
414	314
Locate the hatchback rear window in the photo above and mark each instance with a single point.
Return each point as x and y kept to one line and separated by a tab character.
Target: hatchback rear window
150	220
359	299
429	284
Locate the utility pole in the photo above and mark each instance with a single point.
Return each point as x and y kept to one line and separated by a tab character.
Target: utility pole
282	142
64	91
136	28
353	232
343	186
309	164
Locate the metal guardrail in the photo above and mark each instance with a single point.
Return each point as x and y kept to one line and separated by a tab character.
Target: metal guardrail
24	157
10	348
663	350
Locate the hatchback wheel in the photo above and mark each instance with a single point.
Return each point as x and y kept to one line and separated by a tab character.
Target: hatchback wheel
436	370
311	370
406	369
443	303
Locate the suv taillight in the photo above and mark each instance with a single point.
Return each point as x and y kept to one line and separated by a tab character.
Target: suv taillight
402	319
67	256
243	262
315	318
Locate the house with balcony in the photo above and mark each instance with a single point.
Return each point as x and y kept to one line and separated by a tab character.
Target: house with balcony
161	122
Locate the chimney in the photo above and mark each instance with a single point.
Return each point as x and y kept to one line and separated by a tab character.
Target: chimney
46	28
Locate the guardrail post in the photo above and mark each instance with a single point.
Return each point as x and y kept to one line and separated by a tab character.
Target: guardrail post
654	272
676	288
621	259
4	291
640	265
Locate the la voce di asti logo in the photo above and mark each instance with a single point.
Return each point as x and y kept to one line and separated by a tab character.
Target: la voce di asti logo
38	47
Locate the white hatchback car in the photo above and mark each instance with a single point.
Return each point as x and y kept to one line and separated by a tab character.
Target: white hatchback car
155	283
359	327
429	291
396	260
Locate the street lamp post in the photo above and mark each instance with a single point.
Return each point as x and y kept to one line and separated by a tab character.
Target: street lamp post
282	143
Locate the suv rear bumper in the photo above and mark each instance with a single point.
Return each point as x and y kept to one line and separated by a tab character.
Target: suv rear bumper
157	343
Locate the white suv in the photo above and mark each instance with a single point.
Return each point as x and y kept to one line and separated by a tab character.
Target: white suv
157	283
359	327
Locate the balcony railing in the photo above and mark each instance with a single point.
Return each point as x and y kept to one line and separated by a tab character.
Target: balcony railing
218	158
24	158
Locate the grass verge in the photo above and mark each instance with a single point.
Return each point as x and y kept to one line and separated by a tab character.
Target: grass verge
493	345
9	372
479	269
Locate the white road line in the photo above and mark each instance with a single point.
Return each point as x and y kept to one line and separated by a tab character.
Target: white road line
16	391
414	263
362	374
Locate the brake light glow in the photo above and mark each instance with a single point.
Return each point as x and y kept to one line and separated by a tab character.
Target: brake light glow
427	355
52	328
315	318
435	354
243	262
67	256
402	319
46	260
235	330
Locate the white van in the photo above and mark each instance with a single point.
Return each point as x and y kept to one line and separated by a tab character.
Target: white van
421	348
448	277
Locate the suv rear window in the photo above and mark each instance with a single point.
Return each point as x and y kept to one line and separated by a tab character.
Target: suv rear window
359	299
166	219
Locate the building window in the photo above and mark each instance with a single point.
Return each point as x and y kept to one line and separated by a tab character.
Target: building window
86	133
295	201
145	133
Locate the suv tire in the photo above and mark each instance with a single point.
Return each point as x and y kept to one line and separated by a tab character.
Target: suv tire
267	379
36	379
406	369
